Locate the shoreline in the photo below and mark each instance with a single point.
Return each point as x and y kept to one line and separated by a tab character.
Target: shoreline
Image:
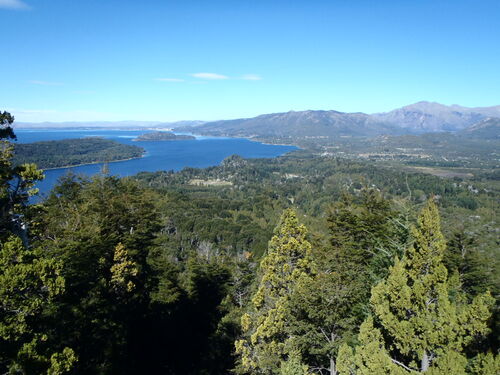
251	139
95	162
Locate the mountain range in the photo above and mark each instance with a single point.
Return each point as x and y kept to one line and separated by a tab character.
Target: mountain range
421	117
435	117
297	124
418	118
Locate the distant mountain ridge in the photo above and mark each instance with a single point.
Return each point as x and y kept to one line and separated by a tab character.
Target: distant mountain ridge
106	124
421	117
297	124
435	117
488	128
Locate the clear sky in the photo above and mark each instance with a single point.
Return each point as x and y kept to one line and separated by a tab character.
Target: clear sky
75	60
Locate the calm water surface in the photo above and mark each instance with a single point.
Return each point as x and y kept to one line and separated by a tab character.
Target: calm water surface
160	156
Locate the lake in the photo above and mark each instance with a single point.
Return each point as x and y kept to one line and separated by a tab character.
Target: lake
160	156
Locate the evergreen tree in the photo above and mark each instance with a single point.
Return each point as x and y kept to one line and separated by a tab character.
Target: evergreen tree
123	271
331	306
29	283
324	311
462	255
424	327
486	364
29	279
477	273
293	365
366	234
267	326
16	185
102	231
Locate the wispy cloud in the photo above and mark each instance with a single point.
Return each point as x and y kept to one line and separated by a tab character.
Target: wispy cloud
209	76
251	77
169	79
45	83
204	77
14	4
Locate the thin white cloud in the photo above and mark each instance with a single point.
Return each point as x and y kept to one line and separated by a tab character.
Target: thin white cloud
169	79
251	77
14	4
209	76
45	83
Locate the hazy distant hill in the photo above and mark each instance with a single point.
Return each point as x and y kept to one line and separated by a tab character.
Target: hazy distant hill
298	124
106	124
488	128
422	117
434	117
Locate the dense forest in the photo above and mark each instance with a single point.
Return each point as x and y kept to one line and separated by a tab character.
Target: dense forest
162	136
302	264
70	152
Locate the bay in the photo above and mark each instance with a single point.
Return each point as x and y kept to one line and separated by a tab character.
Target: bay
160	156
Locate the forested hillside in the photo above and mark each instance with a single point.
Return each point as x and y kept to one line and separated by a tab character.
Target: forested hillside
69	152
303	264
162	136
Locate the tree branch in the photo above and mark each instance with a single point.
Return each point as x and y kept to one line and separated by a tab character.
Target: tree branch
403	365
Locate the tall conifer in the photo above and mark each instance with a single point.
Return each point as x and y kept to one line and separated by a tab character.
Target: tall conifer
423	329
267	332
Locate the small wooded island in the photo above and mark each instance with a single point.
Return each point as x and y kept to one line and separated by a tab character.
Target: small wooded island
72	152
163	136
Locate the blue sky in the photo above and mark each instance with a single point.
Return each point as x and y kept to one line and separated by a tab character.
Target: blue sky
78	60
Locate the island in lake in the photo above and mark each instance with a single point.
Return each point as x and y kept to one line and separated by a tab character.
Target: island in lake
163	136
72	152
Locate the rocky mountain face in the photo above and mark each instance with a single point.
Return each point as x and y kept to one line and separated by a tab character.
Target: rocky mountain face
488	128
422	117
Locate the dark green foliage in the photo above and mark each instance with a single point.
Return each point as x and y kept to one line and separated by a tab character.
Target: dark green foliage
16	186
84	225
29	279
162	136
462	255
476	273
68	152
130	305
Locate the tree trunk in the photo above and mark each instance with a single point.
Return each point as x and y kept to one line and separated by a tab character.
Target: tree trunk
425	362
333	369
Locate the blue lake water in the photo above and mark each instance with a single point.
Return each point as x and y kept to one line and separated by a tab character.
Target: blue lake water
160	156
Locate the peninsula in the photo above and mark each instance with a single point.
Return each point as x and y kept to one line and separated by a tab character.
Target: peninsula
73	152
